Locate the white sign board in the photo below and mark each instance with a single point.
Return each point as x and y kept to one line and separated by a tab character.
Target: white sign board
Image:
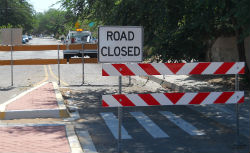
120	44
11	36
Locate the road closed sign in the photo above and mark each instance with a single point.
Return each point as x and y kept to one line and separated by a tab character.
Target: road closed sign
120	44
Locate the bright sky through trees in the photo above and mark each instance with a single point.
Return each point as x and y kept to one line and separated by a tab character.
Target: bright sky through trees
44	5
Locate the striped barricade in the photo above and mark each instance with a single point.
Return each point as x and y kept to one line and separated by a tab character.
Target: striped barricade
145	69
161	99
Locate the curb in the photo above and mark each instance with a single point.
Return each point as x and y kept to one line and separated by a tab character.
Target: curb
73	139
61	112
70	134
73	112
166	84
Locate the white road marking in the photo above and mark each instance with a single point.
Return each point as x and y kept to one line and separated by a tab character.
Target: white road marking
112	123
88	146
149	125
184	125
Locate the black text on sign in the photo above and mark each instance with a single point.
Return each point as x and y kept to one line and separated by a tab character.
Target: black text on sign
120	44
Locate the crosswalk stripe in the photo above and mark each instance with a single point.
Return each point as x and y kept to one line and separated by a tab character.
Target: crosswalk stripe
112	123
184	125
149	125
88	146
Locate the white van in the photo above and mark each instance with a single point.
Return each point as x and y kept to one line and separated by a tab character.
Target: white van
79	37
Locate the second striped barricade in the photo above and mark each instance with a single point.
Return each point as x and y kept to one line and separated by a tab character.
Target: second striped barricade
145	69
161	99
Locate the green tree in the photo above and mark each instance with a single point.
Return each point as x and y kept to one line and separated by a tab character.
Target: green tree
18	13
50	22
173	29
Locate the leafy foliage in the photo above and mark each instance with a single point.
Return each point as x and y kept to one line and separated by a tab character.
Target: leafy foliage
50	22
18	13
173	29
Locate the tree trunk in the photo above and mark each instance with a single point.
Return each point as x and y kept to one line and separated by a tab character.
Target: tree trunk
209	50
241	51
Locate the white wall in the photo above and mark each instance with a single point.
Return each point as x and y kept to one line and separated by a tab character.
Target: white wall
225	50
247	48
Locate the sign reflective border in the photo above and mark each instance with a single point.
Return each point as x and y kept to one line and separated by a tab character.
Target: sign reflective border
120	44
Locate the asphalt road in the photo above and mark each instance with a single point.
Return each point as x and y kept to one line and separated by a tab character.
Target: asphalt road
168	129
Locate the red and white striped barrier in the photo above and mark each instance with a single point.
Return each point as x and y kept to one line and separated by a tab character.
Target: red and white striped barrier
155	99
143	69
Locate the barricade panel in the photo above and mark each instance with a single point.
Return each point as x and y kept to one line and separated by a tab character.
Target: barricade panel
161	99
145	69
49	47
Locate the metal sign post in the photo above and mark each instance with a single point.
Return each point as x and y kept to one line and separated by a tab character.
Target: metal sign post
11	54
129	80
58	59
120	118
237	143
120	44
82	63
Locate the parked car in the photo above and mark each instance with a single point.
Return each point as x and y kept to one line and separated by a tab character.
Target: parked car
79	37
62	39
26	38
94	40
30	37
23	40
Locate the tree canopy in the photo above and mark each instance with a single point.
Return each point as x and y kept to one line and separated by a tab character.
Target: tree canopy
17	13
173	29
50	22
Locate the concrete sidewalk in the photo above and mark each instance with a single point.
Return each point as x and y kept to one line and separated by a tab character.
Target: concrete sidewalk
43	101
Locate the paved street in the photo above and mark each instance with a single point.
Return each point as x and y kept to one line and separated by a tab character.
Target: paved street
153	129
167	129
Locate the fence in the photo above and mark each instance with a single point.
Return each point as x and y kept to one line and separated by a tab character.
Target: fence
141	69
47	61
